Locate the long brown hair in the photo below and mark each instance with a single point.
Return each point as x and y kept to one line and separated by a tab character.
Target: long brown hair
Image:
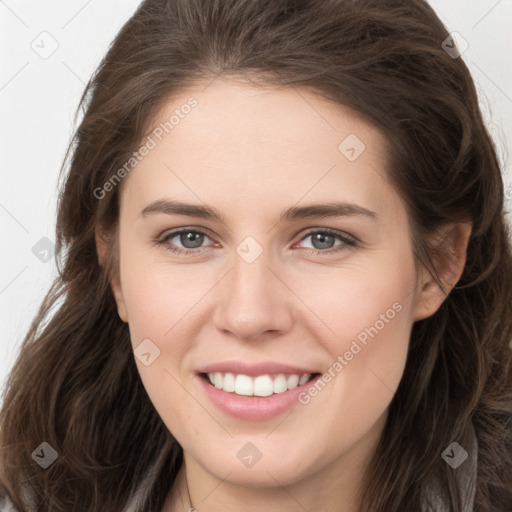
75	384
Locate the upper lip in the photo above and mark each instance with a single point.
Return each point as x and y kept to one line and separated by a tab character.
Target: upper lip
254	369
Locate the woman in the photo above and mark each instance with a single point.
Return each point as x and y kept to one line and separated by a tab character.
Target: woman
286	277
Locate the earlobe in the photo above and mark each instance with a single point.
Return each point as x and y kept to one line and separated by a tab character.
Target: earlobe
449	262
102	249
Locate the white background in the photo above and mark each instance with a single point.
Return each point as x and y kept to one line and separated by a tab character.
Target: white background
39	96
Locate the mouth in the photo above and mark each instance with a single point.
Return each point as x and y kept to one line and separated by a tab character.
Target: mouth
254	391
264	385
257	397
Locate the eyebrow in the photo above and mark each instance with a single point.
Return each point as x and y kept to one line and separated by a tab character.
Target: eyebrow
333	209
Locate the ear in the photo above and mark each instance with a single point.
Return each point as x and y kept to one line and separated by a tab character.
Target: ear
449	261
103	246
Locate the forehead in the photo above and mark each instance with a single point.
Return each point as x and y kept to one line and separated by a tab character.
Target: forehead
233	138
257	113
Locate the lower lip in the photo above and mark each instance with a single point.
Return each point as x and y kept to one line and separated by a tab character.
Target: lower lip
254	408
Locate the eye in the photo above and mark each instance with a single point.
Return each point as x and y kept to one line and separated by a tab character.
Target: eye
191	240
324	241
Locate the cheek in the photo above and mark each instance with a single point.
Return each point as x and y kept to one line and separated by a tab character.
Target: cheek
368	309
159	295
359	301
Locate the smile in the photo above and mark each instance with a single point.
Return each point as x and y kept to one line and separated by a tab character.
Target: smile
261	385
256	397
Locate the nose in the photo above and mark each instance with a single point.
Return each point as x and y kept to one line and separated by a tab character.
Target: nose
255	303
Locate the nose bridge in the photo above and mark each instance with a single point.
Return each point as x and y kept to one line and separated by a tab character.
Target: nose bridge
253	299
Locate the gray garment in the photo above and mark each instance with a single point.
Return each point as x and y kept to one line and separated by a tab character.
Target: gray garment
435	494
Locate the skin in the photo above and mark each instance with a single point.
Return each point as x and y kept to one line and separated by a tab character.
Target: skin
250	153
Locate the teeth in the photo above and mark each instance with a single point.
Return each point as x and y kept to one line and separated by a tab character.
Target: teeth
263	385
280	384
293	381
304	379
228	384
243	385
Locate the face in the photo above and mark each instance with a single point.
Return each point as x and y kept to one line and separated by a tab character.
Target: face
262	247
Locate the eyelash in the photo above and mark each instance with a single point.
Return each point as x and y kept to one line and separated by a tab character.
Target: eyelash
348	241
